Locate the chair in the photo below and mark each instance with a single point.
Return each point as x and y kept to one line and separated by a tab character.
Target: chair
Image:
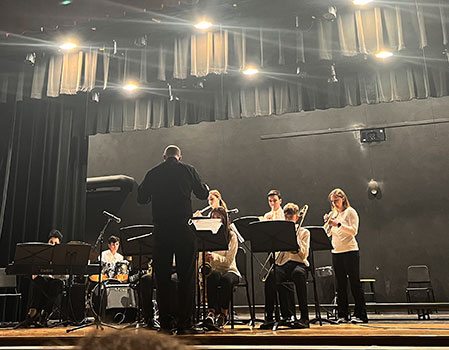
8	289
418	281
243	282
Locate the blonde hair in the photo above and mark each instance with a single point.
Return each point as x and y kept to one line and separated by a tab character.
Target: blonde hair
221	202
338	192
291	209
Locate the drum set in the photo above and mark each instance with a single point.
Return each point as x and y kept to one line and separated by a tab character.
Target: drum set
118	297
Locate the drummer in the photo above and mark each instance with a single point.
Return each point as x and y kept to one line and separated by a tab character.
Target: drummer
111	255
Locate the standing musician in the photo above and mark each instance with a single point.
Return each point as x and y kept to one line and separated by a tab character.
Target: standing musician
342	225
274	201
291	266
215	200
276	213
169	186
224	274
43	291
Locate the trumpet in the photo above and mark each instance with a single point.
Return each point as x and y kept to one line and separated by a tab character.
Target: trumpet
331	216
266	267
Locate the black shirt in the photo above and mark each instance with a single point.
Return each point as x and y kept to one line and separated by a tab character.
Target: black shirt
169	186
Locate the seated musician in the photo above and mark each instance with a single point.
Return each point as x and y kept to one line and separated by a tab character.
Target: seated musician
223	276
43	291
291	266
215	200
111	255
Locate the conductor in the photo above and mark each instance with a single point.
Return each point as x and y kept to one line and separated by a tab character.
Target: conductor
169	186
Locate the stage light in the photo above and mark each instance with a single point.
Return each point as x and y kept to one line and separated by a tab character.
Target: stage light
69	45
204	24
250	71
30	58
65	2
373	187
130	86
384	54
330	14
361	2
333	77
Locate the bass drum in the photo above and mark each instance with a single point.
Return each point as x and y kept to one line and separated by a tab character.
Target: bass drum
118	301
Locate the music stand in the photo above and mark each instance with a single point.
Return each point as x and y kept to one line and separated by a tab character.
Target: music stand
319	241
246	231
71	255
137	240
33	253
211	237
274	236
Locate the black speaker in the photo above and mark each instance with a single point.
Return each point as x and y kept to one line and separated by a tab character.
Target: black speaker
75	306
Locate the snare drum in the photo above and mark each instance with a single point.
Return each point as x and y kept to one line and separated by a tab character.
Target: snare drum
121	271
107	272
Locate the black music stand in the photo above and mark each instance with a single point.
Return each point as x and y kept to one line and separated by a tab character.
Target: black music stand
246	231
319	241
33	253
71	255
137	240
209	239
274	236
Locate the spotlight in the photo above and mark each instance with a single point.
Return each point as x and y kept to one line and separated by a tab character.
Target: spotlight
204	24
65	2
330	14
361	2
130	86
384	54
171	97
333	77
250	71
373	187
30	58
69	45
95	96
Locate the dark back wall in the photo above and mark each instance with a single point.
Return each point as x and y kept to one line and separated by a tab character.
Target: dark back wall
405	225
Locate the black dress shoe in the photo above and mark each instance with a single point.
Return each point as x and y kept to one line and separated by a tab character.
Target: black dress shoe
190	330
268	324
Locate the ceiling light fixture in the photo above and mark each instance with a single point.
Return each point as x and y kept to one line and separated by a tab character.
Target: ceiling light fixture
69	45
250	71
130	86
361	2
204	24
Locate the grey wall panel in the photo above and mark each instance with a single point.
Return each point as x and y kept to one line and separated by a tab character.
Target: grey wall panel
407	224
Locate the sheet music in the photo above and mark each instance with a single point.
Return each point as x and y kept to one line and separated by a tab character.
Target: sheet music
207	224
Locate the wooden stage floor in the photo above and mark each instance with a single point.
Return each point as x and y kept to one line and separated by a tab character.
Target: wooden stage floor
377	333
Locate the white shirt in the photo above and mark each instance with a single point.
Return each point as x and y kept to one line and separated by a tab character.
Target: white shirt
343	237
275	215
301	256
224	260
108	257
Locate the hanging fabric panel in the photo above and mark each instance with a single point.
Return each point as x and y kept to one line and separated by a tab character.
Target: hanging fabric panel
181	57
54	75
201	54
444	17
220	52
39	75
325	30
90	69
72	64
347	35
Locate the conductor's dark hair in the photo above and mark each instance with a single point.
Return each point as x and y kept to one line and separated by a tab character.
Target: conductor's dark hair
55	234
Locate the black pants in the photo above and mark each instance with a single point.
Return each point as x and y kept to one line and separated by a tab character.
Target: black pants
347	265
43	293
219	289
290	271
177	239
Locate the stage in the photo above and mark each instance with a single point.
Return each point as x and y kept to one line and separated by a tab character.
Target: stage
394	331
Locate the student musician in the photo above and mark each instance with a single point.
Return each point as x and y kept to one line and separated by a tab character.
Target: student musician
111	255
215	200
274	201
43	292
291	266
342	225
223	276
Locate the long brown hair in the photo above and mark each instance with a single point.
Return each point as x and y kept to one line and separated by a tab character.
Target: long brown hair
338	192
221	212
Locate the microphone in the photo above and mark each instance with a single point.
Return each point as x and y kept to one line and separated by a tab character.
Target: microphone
112	217
232	211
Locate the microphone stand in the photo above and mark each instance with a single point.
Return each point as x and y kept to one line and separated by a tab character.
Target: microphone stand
98	323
